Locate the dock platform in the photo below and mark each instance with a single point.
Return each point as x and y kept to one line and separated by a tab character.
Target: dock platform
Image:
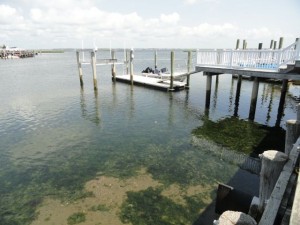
155	83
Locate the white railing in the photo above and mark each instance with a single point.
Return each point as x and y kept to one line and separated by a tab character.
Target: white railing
252	59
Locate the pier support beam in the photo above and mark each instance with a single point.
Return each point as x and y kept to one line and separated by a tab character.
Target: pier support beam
237	95
254	98
79	69
93	62
284	88
208	90
172	72
189	62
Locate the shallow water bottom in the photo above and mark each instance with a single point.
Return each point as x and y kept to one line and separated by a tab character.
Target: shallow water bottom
110	197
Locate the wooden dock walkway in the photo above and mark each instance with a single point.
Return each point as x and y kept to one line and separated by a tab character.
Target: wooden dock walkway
276	64
155	83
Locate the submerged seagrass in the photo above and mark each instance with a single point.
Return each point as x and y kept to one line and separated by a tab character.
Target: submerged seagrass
56	137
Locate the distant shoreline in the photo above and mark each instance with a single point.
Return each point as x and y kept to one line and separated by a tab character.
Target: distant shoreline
49	51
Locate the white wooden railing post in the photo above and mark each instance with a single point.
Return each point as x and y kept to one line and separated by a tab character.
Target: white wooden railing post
257	59
279	57
297	55
231	58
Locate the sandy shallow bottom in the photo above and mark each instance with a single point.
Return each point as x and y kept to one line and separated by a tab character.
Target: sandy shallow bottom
110	193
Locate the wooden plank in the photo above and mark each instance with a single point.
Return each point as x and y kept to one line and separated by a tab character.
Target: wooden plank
273	205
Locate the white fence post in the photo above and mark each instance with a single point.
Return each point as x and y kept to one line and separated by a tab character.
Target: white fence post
231	58
297	55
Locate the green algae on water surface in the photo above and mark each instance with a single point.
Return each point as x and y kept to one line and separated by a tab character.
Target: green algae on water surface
75	218
241	135
149	207
100	207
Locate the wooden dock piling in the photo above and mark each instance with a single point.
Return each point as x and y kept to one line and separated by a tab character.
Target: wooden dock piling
113	66
280	43
237	46
244	44
155	59
284	88
271	44
254	95
291	135
272	164
79	68
208	90
127	61
237	95
131	66
93	62
189	62
172	72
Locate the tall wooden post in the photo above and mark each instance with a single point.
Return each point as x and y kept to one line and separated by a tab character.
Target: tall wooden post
79	68
113	66
271	167
271	44
254	98
155	59
93	62
172	72
280	43
284	88
237	46
131	66
208	90
127	62
275	45
244	44
291	135
189	62
238	87
237	95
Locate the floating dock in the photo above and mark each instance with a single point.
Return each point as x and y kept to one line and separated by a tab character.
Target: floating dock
155	83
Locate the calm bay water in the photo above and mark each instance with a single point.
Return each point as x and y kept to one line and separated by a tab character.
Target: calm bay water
55	137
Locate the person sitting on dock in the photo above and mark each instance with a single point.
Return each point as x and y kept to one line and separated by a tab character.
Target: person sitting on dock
148	70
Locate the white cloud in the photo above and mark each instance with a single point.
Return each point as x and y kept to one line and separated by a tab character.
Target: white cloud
48	23
9	15
171	18
257	33
192	2
209	30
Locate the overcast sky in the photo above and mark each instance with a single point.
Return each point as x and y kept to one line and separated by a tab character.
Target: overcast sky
147	23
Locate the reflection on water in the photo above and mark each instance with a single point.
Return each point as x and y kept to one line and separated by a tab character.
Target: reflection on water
56	138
